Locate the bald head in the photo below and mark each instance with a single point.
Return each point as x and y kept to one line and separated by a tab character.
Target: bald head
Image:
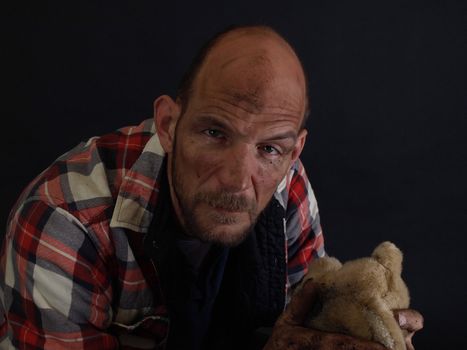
248	64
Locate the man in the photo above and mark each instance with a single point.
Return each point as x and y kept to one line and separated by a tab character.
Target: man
202	218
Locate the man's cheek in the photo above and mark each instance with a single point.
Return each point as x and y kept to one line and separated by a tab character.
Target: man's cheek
272	172
204	165
265	187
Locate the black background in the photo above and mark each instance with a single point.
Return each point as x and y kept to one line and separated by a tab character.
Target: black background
387	150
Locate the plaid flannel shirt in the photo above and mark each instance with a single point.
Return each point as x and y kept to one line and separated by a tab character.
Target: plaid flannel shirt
72	270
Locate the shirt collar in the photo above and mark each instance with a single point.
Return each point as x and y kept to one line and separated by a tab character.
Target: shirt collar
137	197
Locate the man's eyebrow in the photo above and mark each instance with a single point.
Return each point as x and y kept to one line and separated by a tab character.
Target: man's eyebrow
212	121
283	136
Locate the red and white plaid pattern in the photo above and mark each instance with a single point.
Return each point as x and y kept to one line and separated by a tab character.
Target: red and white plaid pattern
72	270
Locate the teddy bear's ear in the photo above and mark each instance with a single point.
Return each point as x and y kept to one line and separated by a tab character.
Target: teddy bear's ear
388	255
319	267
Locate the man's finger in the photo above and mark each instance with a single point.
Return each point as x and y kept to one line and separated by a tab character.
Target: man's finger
409	319
300	305
408	341
295	337
344	342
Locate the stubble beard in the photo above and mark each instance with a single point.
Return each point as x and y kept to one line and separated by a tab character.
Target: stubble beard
193	223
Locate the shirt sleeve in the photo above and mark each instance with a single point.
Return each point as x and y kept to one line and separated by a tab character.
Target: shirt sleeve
56	288
303	229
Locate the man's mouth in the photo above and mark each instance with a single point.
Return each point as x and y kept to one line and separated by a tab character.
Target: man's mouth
227	210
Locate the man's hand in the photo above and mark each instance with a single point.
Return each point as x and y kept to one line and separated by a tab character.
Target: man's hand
410	321
289	331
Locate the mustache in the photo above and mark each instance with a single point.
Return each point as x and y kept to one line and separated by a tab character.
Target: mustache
227	201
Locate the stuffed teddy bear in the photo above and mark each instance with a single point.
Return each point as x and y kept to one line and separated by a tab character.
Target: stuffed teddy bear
357	297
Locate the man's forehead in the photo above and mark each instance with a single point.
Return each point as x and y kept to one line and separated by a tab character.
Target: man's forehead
246	79
250	68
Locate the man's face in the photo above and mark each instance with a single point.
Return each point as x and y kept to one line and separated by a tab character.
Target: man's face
233	145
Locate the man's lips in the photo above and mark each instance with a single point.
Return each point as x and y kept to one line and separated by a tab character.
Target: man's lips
227	210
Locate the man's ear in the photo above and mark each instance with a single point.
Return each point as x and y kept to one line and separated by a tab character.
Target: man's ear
299	144
166	114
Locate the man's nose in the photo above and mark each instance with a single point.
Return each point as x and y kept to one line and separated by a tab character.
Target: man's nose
237	168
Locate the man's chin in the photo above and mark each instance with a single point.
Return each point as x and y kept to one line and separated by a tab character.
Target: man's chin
219	226
225	239
229	235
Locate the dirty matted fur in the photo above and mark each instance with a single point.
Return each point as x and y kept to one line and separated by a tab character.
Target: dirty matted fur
358	296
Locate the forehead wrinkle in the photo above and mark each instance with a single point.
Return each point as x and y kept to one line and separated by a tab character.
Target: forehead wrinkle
249	98
260	58
258	72
269	111
226	97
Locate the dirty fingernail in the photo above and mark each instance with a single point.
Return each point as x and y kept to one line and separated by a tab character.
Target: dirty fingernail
402	320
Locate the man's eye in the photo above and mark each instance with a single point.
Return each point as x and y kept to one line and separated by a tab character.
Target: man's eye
270	150
213	133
